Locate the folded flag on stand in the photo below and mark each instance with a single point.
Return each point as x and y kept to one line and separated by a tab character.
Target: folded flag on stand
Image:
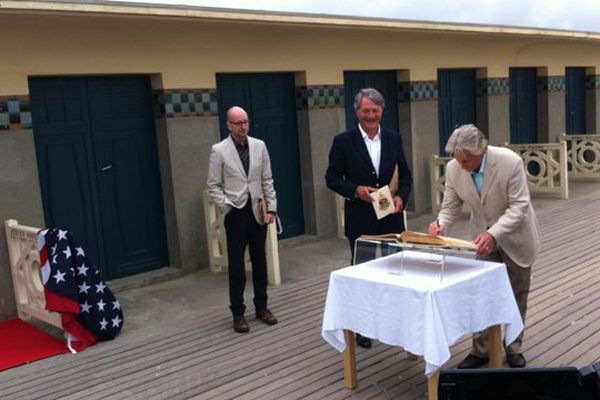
74	288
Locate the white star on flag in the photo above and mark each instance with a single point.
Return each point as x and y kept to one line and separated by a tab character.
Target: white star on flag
116	322
59	276
85	307
83	288
100	287
82	270
74	281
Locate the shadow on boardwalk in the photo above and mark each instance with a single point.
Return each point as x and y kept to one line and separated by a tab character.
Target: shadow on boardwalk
178	342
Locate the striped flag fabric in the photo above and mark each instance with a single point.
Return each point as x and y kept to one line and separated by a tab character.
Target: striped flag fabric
74	287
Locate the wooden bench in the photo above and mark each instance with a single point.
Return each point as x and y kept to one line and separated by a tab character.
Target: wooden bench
26	274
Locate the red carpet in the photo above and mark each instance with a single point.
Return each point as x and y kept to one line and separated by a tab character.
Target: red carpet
21	343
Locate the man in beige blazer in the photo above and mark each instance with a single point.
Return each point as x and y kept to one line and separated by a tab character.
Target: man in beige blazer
239	174
492	181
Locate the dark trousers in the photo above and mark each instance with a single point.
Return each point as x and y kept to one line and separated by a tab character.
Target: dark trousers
368	251
241	230
520	279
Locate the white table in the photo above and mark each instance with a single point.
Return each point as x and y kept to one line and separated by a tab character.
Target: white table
400	300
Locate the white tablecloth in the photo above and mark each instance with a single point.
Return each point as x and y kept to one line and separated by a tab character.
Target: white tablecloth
405	303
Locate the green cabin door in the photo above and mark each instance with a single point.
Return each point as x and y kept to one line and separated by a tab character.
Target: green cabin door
269	99
98	167
456	102
523	105
385	82
575	101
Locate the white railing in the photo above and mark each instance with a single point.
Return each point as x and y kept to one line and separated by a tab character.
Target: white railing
551	177
549	162
339	212
217	244
25	267
583	156
437	170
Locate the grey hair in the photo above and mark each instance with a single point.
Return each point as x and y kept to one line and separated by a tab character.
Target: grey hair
371	94
467	139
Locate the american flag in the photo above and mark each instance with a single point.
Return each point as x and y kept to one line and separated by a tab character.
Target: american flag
74	288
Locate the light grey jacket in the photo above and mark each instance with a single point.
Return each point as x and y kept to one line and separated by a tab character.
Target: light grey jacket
503	209
228	184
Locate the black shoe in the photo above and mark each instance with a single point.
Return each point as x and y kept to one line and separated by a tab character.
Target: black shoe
516	360
472	362
363	342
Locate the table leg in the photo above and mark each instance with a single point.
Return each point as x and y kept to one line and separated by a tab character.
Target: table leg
495	343
350	380
432	386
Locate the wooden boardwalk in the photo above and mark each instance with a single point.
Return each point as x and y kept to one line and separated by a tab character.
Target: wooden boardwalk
202	358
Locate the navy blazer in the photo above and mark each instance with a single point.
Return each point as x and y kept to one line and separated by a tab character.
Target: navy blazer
350	165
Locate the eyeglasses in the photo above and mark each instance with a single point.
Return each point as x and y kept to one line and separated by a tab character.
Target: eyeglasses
239	123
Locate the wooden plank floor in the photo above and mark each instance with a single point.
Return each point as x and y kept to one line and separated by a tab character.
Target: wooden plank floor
202	358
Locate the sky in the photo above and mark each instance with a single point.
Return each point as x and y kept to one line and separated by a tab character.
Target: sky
576	15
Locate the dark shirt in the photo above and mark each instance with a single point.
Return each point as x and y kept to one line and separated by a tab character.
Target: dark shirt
244	154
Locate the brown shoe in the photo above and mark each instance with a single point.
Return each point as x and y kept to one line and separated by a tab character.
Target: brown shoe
516	360
266	316
240	325
472	361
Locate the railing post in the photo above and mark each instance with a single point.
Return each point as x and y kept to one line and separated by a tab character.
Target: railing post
339	214
435	177
217	244
583	156
551	176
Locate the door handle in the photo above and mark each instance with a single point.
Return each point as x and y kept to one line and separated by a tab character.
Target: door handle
106	168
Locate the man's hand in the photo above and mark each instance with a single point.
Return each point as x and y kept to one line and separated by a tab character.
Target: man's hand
364	193
399	204
486	244
435	228
270	218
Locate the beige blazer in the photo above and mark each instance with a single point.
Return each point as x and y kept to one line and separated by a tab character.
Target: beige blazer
228	184
503	208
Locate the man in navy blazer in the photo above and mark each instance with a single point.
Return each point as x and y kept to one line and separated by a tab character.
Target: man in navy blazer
361	161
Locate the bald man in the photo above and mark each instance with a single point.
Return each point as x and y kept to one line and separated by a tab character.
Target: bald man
239	174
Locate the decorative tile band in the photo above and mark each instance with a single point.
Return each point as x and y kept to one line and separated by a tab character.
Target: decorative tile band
493	87
592	82
319	96
423	90
15	112
556	84
175	103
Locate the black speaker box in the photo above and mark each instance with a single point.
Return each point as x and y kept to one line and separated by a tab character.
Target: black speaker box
510	384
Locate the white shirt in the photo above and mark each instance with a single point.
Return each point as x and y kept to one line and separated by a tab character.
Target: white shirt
373	147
